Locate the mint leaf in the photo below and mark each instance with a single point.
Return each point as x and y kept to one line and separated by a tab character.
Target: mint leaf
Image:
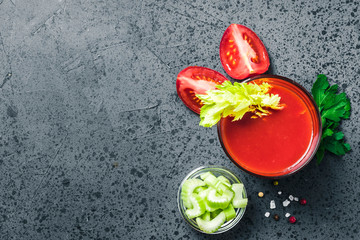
333	108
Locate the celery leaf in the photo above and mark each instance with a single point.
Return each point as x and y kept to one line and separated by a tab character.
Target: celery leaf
236	100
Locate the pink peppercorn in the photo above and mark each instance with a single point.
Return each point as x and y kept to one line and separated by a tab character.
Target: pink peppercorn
303	201
292	219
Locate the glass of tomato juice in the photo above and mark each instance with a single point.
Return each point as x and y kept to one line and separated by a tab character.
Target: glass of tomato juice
280	144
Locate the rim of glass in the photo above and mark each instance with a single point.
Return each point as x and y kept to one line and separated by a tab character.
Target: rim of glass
233	179
279	175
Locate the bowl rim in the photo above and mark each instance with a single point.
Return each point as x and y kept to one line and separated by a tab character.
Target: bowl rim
317	114
239	212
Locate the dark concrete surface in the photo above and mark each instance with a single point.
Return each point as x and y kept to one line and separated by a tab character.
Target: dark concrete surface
94	140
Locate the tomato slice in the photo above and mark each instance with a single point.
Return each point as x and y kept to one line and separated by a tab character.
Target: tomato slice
196	80
242	53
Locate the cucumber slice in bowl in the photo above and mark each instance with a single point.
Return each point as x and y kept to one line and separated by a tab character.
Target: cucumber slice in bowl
218	196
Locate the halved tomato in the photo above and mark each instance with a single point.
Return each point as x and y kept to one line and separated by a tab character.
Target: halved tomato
196	80
242	53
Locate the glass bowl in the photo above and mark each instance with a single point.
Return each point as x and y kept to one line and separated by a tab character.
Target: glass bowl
266	166
217	171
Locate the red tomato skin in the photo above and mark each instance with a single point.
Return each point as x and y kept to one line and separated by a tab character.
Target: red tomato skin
244	66
196	80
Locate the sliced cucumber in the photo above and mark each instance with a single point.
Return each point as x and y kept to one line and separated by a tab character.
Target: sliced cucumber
238	201
198	208
230	212
212	225
188	188
216	200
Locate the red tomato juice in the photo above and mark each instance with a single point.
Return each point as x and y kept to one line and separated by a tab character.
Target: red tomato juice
277	144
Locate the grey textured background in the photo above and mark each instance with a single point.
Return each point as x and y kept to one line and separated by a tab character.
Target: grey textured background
94	140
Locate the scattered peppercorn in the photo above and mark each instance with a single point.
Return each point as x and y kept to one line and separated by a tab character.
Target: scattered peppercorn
292	219
303	201
260	194
276	183
276	217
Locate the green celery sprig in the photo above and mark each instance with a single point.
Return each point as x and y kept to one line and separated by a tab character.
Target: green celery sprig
235	100
333	108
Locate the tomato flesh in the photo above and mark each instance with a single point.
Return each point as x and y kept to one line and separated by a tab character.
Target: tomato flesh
242	53
196	80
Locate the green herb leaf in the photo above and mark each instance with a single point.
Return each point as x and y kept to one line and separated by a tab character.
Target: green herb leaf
318	89
320	153
333	108
236	100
